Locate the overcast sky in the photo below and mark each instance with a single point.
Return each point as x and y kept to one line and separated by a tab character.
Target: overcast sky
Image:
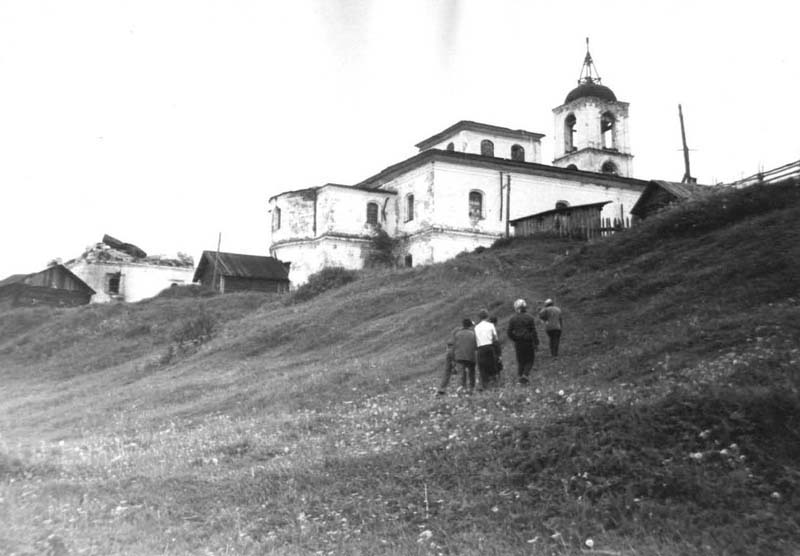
164	123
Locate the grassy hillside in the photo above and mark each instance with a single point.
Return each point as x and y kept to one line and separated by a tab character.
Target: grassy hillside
250	424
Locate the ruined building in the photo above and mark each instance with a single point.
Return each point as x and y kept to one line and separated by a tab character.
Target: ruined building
119	271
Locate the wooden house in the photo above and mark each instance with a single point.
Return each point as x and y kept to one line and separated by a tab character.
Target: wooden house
578	221
55	286
659	194
233	272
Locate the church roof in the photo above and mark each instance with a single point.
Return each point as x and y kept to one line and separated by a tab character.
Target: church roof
503	164
243	266
477	126
591	89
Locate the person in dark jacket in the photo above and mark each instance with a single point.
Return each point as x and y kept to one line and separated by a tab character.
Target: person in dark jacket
551	315
449	361
464	355
522	331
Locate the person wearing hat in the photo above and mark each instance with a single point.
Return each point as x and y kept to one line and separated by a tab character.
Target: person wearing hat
486	356
522	331
551	315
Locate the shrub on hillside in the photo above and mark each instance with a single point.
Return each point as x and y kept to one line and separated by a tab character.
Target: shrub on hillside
322	281
383	250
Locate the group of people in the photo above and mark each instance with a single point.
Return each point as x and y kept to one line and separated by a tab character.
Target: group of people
474	350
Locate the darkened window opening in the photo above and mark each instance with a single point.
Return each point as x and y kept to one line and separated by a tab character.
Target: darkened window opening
562	204
487	148
569	133
372	213
517	153
572	167
409	208
408	261
608	130
112	283
475	204
276	219
451	147
609	167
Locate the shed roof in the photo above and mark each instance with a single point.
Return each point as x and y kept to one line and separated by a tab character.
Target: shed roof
26	278
242	266
563	210
681	191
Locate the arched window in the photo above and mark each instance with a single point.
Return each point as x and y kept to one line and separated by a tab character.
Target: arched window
475	204
562	204
409	207
609	167
608	130
372	213
517	152
572	167
451	146
487	148
276	219
569	133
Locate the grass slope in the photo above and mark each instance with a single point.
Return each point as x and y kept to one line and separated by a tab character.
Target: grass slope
249	424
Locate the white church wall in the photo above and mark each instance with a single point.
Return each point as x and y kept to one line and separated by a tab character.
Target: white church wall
419	183
310	256
343	210
451	197
297	216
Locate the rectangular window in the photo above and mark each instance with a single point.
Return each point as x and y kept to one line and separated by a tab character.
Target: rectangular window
112	283
409	208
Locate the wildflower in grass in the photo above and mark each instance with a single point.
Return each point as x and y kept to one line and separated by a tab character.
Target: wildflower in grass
589	543
697	456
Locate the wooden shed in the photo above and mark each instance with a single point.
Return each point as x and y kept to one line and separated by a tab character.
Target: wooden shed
233	272
659	194
579	221
55	286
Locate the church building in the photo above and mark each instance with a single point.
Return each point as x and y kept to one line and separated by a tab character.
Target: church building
463	188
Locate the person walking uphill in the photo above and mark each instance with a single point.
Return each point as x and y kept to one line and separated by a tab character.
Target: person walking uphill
551	315
464	354
486	338
522	331
449	360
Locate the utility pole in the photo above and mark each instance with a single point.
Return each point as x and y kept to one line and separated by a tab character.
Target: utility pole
216	265
508	204
687	175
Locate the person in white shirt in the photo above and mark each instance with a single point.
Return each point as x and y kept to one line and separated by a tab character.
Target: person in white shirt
486	337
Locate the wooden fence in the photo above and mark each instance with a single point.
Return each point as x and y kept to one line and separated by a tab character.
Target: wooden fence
609	226
781	173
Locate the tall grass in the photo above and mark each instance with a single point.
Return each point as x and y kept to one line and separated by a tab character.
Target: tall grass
668	425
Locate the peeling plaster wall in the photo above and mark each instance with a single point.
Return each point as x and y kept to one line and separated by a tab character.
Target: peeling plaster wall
138	281
419	183
343	210
297	216
467	141
310	256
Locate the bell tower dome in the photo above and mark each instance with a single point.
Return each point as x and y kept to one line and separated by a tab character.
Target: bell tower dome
591	127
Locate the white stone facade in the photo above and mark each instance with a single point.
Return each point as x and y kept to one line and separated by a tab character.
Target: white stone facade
136	281
328	226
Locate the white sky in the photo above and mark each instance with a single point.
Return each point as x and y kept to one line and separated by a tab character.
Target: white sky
166	122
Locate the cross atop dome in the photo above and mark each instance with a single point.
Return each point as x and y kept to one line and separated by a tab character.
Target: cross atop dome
588	71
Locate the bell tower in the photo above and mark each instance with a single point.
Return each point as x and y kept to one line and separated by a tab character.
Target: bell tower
591	127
